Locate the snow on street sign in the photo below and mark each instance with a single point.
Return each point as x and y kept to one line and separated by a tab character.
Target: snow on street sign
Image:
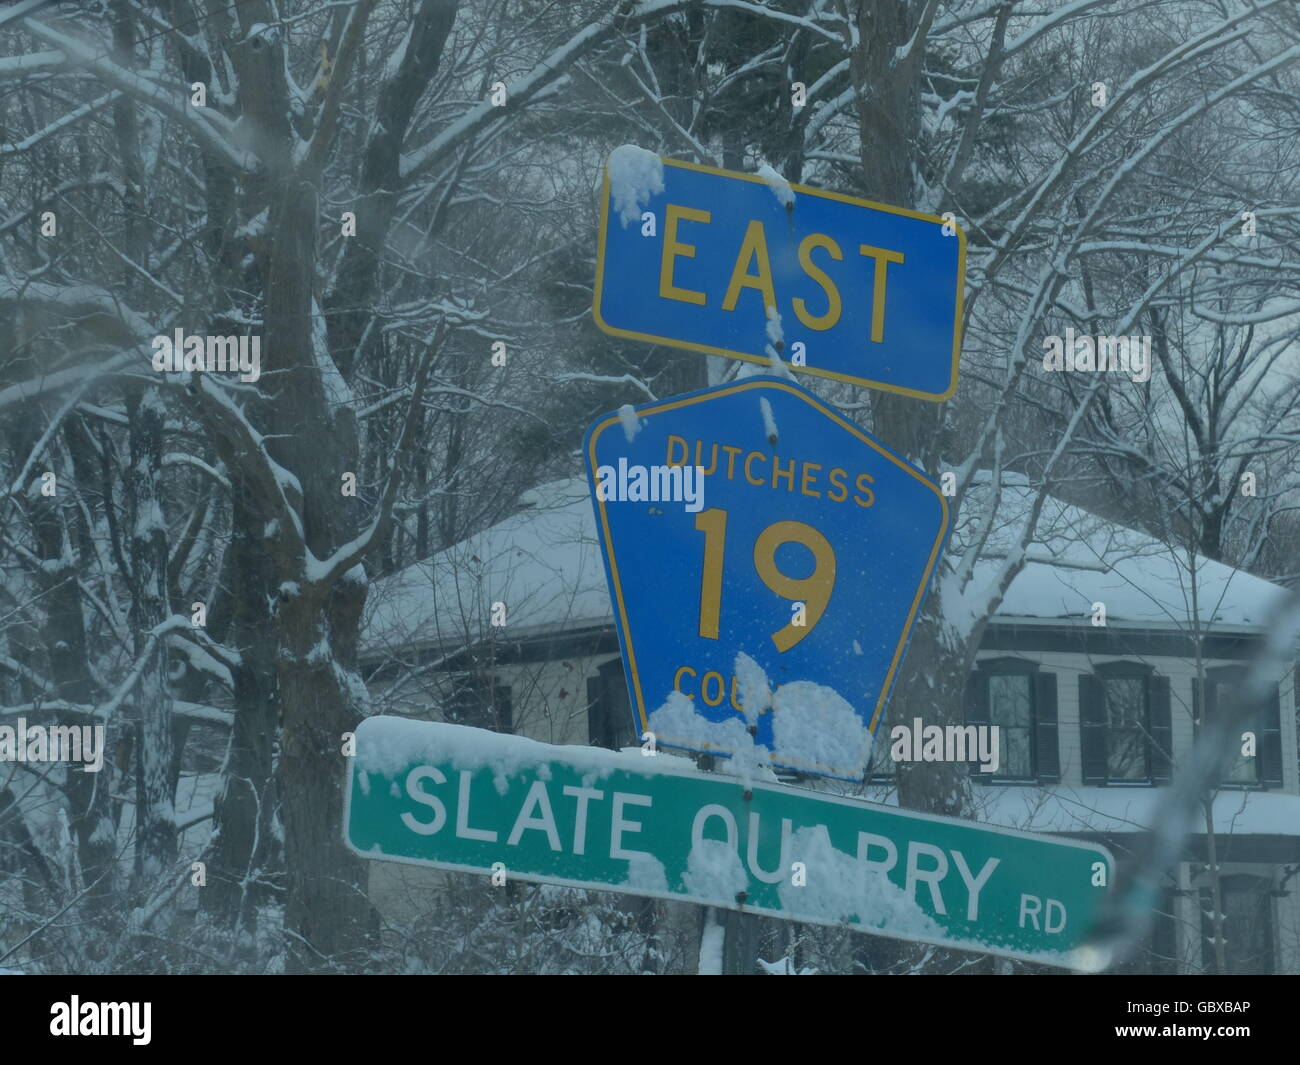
801	564
692	256
469	800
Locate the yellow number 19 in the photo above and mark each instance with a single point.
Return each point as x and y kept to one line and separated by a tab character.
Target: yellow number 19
813	590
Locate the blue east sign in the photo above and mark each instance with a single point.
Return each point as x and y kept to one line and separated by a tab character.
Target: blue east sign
867	294
751	517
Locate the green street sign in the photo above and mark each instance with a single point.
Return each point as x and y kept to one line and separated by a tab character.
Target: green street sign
465	799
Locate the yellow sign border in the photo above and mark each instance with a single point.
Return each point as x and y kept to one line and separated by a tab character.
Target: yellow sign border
762	360
625	632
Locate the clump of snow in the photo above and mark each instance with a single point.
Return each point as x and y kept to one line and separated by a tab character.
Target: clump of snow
776	342
769	422
627	418
634	176
814	724
645	872
840	887
811	725
752	688
779	368
775	333
677	719
387	746
678	724
779	186
711	941
714	872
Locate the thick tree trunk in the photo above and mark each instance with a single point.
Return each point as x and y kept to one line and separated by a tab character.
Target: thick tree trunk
327	913
155	836
64	637
931	682
349	303
243	848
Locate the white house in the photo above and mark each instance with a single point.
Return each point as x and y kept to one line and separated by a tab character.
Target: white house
1089	668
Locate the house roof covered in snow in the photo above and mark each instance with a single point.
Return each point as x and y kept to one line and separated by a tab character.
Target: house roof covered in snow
1065	809
543	563
1078	558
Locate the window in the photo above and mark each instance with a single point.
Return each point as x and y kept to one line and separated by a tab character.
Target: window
1220	693
1247	926
1126	726
1127	752
609	712
1238	768
1011	709
481	702
1020	700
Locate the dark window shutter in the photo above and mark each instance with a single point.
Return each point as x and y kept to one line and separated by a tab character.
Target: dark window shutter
1270	741
609	715
1047	752
977	711
1092	729
1161	728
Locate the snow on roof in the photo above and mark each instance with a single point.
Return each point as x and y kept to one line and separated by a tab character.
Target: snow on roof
1065	809
544	564
1078	559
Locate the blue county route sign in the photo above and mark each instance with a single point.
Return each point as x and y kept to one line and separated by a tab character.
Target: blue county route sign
867	294
806	544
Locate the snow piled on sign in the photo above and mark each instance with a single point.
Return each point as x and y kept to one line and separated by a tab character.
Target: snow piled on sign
646	873
714	872
387	746
752	688
634	176
627	417
841	888
677	719
769	422
780	187
813	724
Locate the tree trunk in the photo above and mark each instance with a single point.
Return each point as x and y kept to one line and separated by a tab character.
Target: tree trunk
327	912
155	813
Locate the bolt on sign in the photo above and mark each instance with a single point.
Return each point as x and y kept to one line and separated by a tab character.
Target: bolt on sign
694	257
464	799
